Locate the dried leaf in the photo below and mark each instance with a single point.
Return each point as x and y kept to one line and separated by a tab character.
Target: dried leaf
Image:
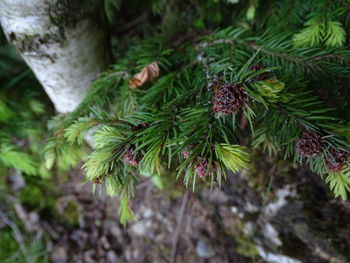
148	73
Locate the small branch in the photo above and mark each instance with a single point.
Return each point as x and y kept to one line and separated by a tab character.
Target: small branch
330	56
119	73
178	227
309	63
281	55
215	42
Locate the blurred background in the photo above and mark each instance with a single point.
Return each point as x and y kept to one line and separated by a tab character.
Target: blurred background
273	213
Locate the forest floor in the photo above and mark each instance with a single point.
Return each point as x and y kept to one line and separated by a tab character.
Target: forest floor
175	226
276	216
171	226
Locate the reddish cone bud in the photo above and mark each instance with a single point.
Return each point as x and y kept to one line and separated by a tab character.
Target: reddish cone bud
310	144
337	160
130	158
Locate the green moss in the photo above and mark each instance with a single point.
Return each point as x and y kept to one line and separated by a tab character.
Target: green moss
246	246
70	213
11	252
35	197
8	245
32	196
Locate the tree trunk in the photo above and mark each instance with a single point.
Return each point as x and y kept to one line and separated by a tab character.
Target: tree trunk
62	41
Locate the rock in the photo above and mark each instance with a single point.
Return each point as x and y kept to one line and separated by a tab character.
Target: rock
282	195
251	208
59	255
275	258
148	213
34	220
128	254
271	234
148	224
216	196
139	228
234	210
80	237
112	257
105	243
136	253
89	256
114	229
16	181
165	207
204	249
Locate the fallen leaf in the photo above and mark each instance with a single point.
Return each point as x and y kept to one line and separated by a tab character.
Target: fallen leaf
148	73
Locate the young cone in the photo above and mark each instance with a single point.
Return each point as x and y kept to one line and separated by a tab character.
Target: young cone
201	168
337	160
228	99
130	158
309	144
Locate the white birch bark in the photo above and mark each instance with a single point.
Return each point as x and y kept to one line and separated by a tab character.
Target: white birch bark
62	41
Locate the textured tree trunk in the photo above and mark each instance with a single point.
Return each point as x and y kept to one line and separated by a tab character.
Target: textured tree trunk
62	41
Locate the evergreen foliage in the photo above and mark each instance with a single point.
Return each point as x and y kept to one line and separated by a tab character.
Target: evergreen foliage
289	59
22	123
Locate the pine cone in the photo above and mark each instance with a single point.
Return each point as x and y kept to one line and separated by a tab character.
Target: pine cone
228	99
310	144
187	151
259	77
186	154
201	168
337	160
130	158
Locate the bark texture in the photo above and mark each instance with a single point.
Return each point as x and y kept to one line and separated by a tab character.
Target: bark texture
62	41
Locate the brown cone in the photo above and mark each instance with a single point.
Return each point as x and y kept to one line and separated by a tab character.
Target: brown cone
310	144
228	99
337	160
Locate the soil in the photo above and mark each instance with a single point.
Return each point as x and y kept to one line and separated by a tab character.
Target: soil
163	219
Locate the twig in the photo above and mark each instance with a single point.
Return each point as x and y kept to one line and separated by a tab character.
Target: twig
214	42
50	230
20	211
282	55
119	73
178	227
18	236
